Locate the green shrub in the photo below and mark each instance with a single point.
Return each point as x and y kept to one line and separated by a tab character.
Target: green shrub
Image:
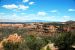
35	43
64	41
11	46
48	48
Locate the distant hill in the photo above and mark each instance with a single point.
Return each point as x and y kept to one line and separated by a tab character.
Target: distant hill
29	21
13	21
9	20
6	20
38	21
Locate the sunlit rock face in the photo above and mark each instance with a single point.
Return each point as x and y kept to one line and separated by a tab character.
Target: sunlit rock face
11	25
14	38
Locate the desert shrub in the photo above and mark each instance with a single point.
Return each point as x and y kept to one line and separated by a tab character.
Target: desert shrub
12	42
34	43
48	48
64	41
11	46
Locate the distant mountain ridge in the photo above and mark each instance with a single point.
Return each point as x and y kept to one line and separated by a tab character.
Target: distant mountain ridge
38	21
7	20
28	21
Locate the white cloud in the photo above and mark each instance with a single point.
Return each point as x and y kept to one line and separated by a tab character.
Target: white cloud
12	6
2	13
31	3
49	18
16	7
65	18
23	7
22	17
41	13
25	0
26	17
14	15
53	11
22	13
71	9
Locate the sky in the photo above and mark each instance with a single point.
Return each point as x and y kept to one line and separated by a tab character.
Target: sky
46	10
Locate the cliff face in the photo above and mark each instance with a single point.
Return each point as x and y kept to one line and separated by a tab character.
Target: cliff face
45	27
11	25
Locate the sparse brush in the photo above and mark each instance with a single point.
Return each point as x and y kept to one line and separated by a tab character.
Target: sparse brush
12	42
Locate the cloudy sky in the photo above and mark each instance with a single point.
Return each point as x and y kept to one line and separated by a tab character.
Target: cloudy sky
47	10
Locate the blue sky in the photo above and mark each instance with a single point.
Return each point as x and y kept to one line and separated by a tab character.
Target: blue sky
47	10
